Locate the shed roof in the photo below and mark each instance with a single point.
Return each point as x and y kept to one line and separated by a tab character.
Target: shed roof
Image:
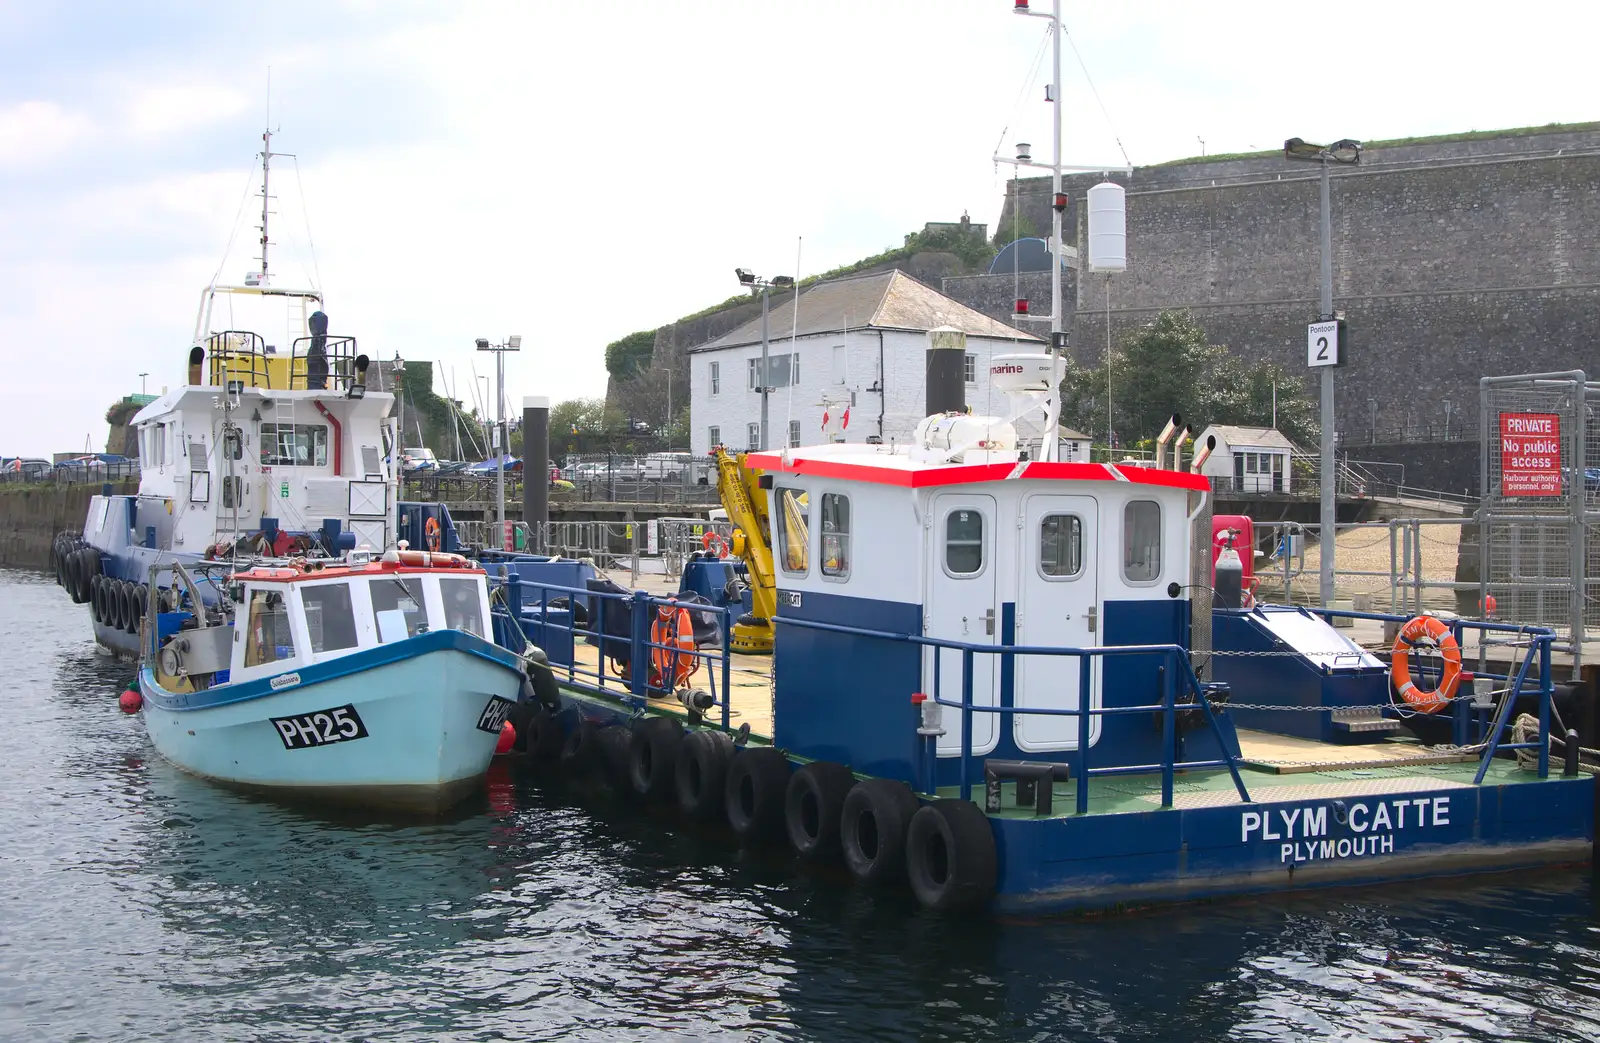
886	300
1269	437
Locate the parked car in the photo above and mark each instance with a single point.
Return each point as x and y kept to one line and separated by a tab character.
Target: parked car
421	459
25	468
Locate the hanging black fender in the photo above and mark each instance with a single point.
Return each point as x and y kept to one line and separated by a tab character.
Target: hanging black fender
753	792
872	830
812	805
653	756
702	773
950	856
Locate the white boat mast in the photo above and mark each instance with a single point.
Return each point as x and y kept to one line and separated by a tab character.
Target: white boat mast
266	198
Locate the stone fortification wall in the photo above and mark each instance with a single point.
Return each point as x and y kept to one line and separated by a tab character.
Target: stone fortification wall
31	515
1452	260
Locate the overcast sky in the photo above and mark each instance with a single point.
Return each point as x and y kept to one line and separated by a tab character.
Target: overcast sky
576	171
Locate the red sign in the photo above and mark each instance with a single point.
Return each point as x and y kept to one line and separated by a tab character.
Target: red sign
1530	454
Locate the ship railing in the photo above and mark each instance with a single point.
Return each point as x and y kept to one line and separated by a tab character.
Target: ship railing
238	355
334	369
1174	671
518	596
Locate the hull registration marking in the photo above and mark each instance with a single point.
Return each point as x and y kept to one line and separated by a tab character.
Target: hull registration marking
303	731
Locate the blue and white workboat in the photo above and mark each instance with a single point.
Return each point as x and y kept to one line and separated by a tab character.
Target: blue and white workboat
363	681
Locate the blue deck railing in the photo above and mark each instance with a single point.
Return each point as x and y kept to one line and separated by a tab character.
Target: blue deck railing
1175	671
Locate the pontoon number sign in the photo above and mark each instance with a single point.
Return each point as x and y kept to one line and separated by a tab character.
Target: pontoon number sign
321	728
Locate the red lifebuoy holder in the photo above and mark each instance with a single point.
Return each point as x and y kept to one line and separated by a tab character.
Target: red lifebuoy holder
1426	631
673	649
713	542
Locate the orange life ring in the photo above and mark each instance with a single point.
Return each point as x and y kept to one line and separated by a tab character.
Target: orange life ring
430	533
430	560
1426	631
672	649
714	538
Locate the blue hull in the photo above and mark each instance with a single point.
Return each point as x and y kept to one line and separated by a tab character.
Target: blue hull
419	704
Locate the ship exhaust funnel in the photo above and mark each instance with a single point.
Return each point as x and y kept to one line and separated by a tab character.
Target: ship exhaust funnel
1203	454
946	371
1163	438
197	363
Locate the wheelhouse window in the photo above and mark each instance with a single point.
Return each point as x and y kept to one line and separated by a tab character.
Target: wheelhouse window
268	639
398	609
963	542
1060	546
793	530
1141	541
463	609
330	617
835	535
294	445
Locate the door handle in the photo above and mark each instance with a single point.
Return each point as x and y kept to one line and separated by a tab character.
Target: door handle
1093	616
988	622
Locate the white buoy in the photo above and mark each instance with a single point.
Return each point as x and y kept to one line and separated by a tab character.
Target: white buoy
1108	228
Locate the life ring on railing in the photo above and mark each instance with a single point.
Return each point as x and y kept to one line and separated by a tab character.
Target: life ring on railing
672	650
714	543
1426	631
430	533
429	560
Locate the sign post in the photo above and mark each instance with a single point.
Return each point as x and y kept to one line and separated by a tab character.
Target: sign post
1530	454
1322	344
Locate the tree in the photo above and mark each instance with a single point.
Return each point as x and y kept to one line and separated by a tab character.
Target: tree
1171	366
577	416
630	355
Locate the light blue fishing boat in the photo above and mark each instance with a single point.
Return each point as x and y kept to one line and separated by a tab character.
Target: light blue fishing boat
369	682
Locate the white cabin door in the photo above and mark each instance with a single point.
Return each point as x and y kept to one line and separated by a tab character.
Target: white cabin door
1057	605
962	607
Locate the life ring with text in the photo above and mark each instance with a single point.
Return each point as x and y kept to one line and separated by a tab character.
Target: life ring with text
1426	631
430	533
430	560
672	649
715	543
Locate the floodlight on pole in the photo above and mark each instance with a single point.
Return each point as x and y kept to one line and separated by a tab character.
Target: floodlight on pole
755	283
512	343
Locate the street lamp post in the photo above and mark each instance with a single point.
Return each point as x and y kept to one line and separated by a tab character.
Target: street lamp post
749	279
513	343
1342	151
141	381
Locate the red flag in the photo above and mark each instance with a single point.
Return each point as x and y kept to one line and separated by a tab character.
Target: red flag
844	421
824	419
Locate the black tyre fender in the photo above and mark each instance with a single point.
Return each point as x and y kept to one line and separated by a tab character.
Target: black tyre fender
653	756
136	596
613	745
753	790
72	568
872	830
811	808
544	736
122	608
91	567
97	601
701	775
108	603
950	856
580	748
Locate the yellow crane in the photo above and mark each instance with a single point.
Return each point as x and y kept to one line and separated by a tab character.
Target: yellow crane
746	503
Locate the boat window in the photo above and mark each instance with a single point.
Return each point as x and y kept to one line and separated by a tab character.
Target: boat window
463	609
835	535
401	598
329	616
233	492
1060	545
963	542
294	445
232	443
269	639
1141	541
793	530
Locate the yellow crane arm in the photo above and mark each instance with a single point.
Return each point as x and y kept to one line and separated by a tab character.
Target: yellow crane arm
745	502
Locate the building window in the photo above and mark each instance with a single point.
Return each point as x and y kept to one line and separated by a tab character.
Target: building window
1060	546
783	370
752	436
716	378
269	638
329	617
794	532
963	542
840	364
294	445
1141	541
713	437
969	368
794	434
835	535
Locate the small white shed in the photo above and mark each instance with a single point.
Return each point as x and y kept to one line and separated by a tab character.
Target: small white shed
1248	459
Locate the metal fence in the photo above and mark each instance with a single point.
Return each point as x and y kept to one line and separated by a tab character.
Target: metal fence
479	491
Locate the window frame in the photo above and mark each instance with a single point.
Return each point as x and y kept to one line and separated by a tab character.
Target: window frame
713	436
274	459
794	434
752	433
477	605
969	367
714	378
1159	544
944	543
780	530
1066	577
842	575
319	654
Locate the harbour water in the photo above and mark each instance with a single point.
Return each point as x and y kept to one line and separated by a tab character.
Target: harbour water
139	903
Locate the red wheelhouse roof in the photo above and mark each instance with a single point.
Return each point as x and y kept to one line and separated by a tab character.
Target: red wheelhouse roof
888	469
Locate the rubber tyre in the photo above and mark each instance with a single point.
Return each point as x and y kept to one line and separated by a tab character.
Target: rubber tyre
136	596
96	600
124	591
701	776
612	745
950	856
545	736
872	830
653	757
73	568
811	808
580	749
108	603
91	567
753	793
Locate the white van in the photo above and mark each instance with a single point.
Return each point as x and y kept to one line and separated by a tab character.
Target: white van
667	467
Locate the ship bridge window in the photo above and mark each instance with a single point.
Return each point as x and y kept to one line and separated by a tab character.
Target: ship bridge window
793	530
462	610
330	617
396	600
269	639
1060	546
836	535
294	445
1141	541
963	542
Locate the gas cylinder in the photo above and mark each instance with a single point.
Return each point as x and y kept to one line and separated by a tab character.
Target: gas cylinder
1229	583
